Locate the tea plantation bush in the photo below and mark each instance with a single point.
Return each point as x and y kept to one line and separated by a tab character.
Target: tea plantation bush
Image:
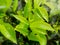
29	22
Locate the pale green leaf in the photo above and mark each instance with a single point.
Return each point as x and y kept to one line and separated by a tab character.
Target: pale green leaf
27	8
21	18
32	37
38	37
41	25
50	5
8	3
8	31
37	15
15	5
5	4
42	39
26	11
37	3
44	13
22	28
39	31
2	7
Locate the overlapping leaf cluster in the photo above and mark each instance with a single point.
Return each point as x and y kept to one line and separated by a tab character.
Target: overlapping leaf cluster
33	20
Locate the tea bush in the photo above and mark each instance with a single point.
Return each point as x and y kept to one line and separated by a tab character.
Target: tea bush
29	22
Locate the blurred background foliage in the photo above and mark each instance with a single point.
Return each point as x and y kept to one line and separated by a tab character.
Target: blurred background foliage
53	8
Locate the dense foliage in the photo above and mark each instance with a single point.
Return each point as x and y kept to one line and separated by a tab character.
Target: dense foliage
29	22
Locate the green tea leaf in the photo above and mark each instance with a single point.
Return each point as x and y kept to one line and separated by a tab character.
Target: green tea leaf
50	5
27	8
8	3
37	3
2	7
38	37
42	39
37	15
2	15
22	28
41	25
5	4
30	18
8	31
32	37
43	13
21	18
26	11
39	31
15	4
